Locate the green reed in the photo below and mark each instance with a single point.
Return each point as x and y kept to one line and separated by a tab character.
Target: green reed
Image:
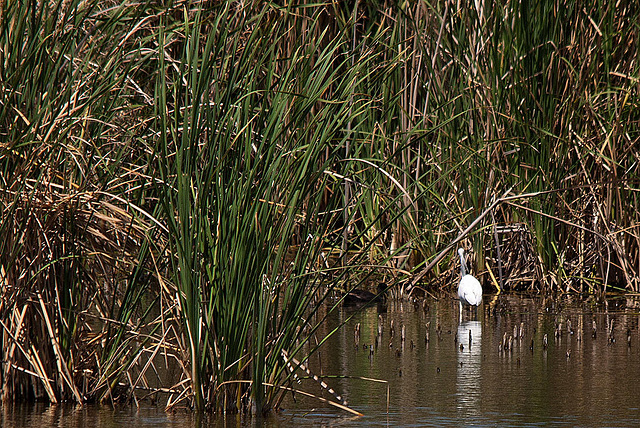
188	184
243	162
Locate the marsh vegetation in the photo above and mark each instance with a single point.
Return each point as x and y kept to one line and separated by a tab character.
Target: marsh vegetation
186	186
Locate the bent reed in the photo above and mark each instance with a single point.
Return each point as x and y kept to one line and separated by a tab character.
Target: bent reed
185	184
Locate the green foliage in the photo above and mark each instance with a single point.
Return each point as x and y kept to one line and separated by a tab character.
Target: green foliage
189	184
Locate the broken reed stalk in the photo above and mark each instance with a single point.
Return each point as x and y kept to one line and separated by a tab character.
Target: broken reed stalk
453	243
503	199
297	391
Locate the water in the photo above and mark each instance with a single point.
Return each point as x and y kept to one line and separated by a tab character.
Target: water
578	380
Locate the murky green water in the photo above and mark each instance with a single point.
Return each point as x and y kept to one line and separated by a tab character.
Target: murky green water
578	380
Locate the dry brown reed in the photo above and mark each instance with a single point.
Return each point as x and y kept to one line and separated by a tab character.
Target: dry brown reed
136	138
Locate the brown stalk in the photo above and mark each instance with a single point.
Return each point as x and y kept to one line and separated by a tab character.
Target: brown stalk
8	356
32	357
464	233
149	362
62	366
35	361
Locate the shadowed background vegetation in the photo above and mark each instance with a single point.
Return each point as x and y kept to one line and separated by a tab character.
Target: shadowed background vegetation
184	185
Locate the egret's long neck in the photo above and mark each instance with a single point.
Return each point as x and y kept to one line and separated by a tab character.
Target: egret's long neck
463	271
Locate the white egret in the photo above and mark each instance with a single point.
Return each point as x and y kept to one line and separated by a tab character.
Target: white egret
469	289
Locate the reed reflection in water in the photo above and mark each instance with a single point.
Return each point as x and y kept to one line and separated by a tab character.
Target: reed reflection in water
587	375
506	377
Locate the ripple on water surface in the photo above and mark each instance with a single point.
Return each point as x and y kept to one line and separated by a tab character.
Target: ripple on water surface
499	374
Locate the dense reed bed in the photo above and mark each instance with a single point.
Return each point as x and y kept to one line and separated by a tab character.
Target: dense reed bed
186	187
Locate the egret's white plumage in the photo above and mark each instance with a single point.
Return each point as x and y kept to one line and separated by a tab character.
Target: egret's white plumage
469	289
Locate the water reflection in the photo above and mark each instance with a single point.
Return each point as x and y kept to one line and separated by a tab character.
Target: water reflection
586	376
469	375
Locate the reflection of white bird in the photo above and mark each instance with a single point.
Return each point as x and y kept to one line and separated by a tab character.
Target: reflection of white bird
469	373
469	289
